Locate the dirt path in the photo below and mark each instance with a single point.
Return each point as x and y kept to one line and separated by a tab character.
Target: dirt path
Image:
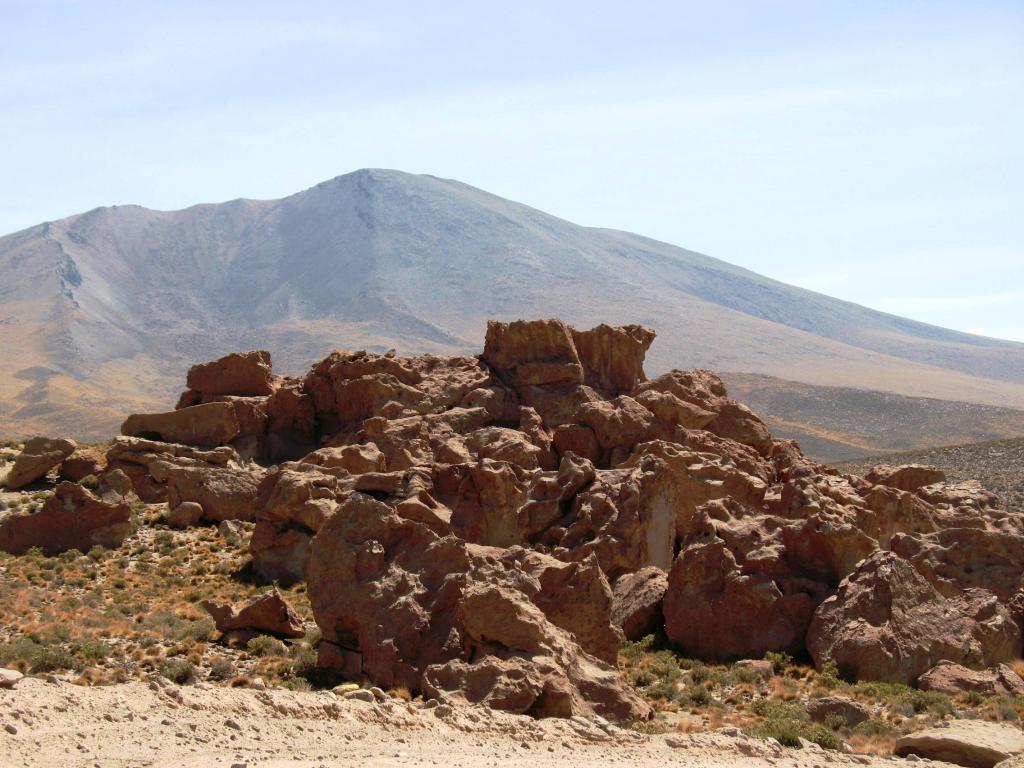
51	724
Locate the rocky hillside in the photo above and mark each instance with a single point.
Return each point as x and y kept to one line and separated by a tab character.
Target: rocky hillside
102	312
997	464
490	530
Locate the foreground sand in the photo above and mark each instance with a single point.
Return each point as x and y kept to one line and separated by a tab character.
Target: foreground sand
135	724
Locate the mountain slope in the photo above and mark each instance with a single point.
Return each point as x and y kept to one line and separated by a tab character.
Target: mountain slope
386	259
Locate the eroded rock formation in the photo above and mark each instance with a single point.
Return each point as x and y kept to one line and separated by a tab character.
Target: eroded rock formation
460	520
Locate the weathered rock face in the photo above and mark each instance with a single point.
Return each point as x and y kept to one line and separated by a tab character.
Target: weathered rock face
267	614
240	373
39	456
409	607
948	677
148	463
206	424
73	518
852	712
886	622
459	520
970	743
224	493
636	602
906	477
715	609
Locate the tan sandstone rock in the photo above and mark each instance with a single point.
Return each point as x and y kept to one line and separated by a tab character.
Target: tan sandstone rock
971	743
39	456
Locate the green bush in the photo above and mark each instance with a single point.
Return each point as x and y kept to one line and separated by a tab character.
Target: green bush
265	645
779	660
180	671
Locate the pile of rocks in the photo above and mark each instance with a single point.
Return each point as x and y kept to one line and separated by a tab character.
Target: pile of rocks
490	528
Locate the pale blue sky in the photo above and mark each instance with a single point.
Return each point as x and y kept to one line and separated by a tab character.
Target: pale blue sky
869	150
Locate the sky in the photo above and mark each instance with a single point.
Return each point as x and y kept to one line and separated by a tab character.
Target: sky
869	150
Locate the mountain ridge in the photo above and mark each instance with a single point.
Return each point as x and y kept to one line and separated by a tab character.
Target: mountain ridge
382	259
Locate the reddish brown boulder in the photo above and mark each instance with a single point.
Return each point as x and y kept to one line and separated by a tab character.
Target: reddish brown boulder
39	456
142	459
73	518
715	609
906	477
849	711
409	607
224	493
206	425
888	623
948	677
240	373
613	358
352	458
737	422
956	559
267	614
291	505
85	461
532	353
636	602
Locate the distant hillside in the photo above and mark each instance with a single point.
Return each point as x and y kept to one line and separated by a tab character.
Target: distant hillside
837	423
383	259
999	465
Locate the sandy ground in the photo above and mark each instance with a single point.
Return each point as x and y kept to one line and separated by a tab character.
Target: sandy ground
50	724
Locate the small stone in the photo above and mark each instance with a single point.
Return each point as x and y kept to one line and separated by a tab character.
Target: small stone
9	677
360	694
232	724
11	729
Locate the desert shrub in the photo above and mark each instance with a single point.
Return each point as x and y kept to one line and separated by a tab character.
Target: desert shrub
746	675
51	658
779	660
1004	709
697	695
874	727
90	481
180	671
296	684
222	669
91	650
265	645
788	723
699	673
200	629
918	702
634	650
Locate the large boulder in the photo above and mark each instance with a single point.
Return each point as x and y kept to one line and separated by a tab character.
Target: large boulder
240	373
405	606
905	477
717	609
291	506
205	425
613	357
636	602
267	614
886	622
970	743
224	493
948	677
72	518
39	456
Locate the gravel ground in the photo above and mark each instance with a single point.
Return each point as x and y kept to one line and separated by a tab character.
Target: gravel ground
51	724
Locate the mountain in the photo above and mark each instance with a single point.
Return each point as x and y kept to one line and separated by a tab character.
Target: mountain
381	259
